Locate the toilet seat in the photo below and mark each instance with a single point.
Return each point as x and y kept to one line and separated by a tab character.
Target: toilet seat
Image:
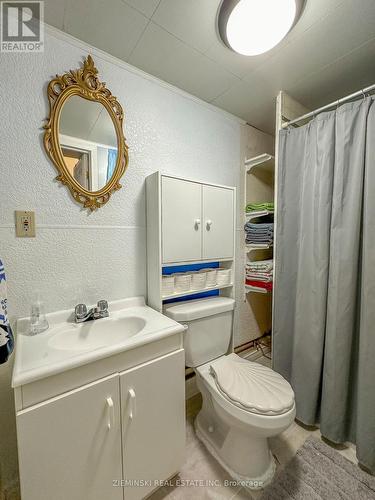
251	386
243	403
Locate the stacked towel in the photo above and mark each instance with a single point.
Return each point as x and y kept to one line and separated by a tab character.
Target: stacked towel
260	270
6	336
259	233
258	207
262	266
260	284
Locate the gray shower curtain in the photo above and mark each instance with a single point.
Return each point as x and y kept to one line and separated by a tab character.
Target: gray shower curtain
324	309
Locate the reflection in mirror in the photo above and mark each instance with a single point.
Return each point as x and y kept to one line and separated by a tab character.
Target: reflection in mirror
88	142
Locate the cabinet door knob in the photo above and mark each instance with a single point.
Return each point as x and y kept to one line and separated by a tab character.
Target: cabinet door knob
197	223
132	406
208	224
111	413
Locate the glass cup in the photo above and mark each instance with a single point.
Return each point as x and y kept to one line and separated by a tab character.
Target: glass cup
38	320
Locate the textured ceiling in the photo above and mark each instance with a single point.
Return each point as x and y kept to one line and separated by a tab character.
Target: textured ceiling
328	54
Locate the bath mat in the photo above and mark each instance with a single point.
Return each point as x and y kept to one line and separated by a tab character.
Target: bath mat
319	472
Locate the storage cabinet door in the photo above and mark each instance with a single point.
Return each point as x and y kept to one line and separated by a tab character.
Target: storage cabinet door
70	446
153	423
218	222
181	220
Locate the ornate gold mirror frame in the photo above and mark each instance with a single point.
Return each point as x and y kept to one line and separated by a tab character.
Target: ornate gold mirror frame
85	83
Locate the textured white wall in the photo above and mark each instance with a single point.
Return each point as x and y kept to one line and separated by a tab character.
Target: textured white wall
80	256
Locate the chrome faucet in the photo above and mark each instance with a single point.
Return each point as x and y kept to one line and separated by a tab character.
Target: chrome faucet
81	313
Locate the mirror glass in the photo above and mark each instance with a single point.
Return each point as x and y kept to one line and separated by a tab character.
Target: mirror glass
88	142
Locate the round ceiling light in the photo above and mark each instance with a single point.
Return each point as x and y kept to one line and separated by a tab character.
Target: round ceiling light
252	27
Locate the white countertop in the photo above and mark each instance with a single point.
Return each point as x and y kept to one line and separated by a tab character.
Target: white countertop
37	356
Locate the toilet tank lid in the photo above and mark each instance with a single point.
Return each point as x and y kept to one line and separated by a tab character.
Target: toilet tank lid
200	308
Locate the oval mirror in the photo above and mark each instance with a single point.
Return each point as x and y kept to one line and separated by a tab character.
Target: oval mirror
88	142
84	136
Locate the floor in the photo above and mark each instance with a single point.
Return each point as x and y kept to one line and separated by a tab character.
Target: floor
202	478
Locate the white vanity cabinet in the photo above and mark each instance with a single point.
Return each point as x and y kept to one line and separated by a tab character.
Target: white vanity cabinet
70	446
153	407
197	220
102	439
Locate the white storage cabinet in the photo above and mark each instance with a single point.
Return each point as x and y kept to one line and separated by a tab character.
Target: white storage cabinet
100	440
188	222
197	221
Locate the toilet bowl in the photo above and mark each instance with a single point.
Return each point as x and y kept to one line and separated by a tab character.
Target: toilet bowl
238	436
244	403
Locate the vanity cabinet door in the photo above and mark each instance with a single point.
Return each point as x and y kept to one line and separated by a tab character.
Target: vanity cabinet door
218	222
153	423
70	446
181	220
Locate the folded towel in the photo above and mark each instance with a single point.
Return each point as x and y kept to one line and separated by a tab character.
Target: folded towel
261	240
6	336
256	207
260	265
256	263
257	277
260	284
258	272
259	233
260	236
266	227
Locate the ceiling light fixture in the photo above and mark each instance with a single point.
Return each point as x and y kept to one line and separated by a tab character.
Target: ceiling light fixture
252	27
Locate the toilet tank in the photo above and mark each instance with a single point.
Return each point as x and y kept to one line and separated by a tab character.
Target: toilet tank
209	323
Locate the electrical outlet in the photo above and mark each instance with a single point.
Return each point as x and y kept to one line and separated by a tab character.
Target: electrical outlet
25	224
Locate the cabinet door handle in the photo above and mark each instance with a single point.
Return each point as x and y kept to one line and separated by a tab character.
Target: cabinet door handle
111	413
197	223
132	404
208	224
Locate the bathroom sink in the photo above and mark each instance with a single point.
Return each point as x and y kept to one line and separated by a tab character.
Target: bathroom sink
96	334
66	344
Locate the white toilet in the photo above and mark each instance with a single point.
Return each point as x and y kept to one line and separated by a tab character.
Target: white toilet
244	403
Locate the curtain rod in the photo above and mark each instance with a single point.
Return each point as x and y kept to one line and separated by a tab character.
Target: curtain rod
362	92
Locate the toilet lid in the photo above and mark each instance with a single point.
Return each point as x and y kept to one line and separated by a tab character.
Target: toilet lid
252	386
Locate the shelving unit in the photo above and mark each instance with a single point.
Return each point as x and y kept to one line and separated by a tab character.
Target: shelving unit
259	188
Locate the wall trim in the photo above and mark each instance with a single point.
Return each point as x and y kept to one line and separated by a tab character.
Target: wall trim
98	53
77	226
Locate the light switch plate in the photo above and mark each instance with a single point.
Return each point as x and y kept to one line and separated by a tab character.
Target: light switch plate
25	224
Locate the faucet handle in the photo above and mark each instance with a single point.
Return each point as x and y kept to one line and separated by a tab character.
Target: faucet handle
102	306
80	311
